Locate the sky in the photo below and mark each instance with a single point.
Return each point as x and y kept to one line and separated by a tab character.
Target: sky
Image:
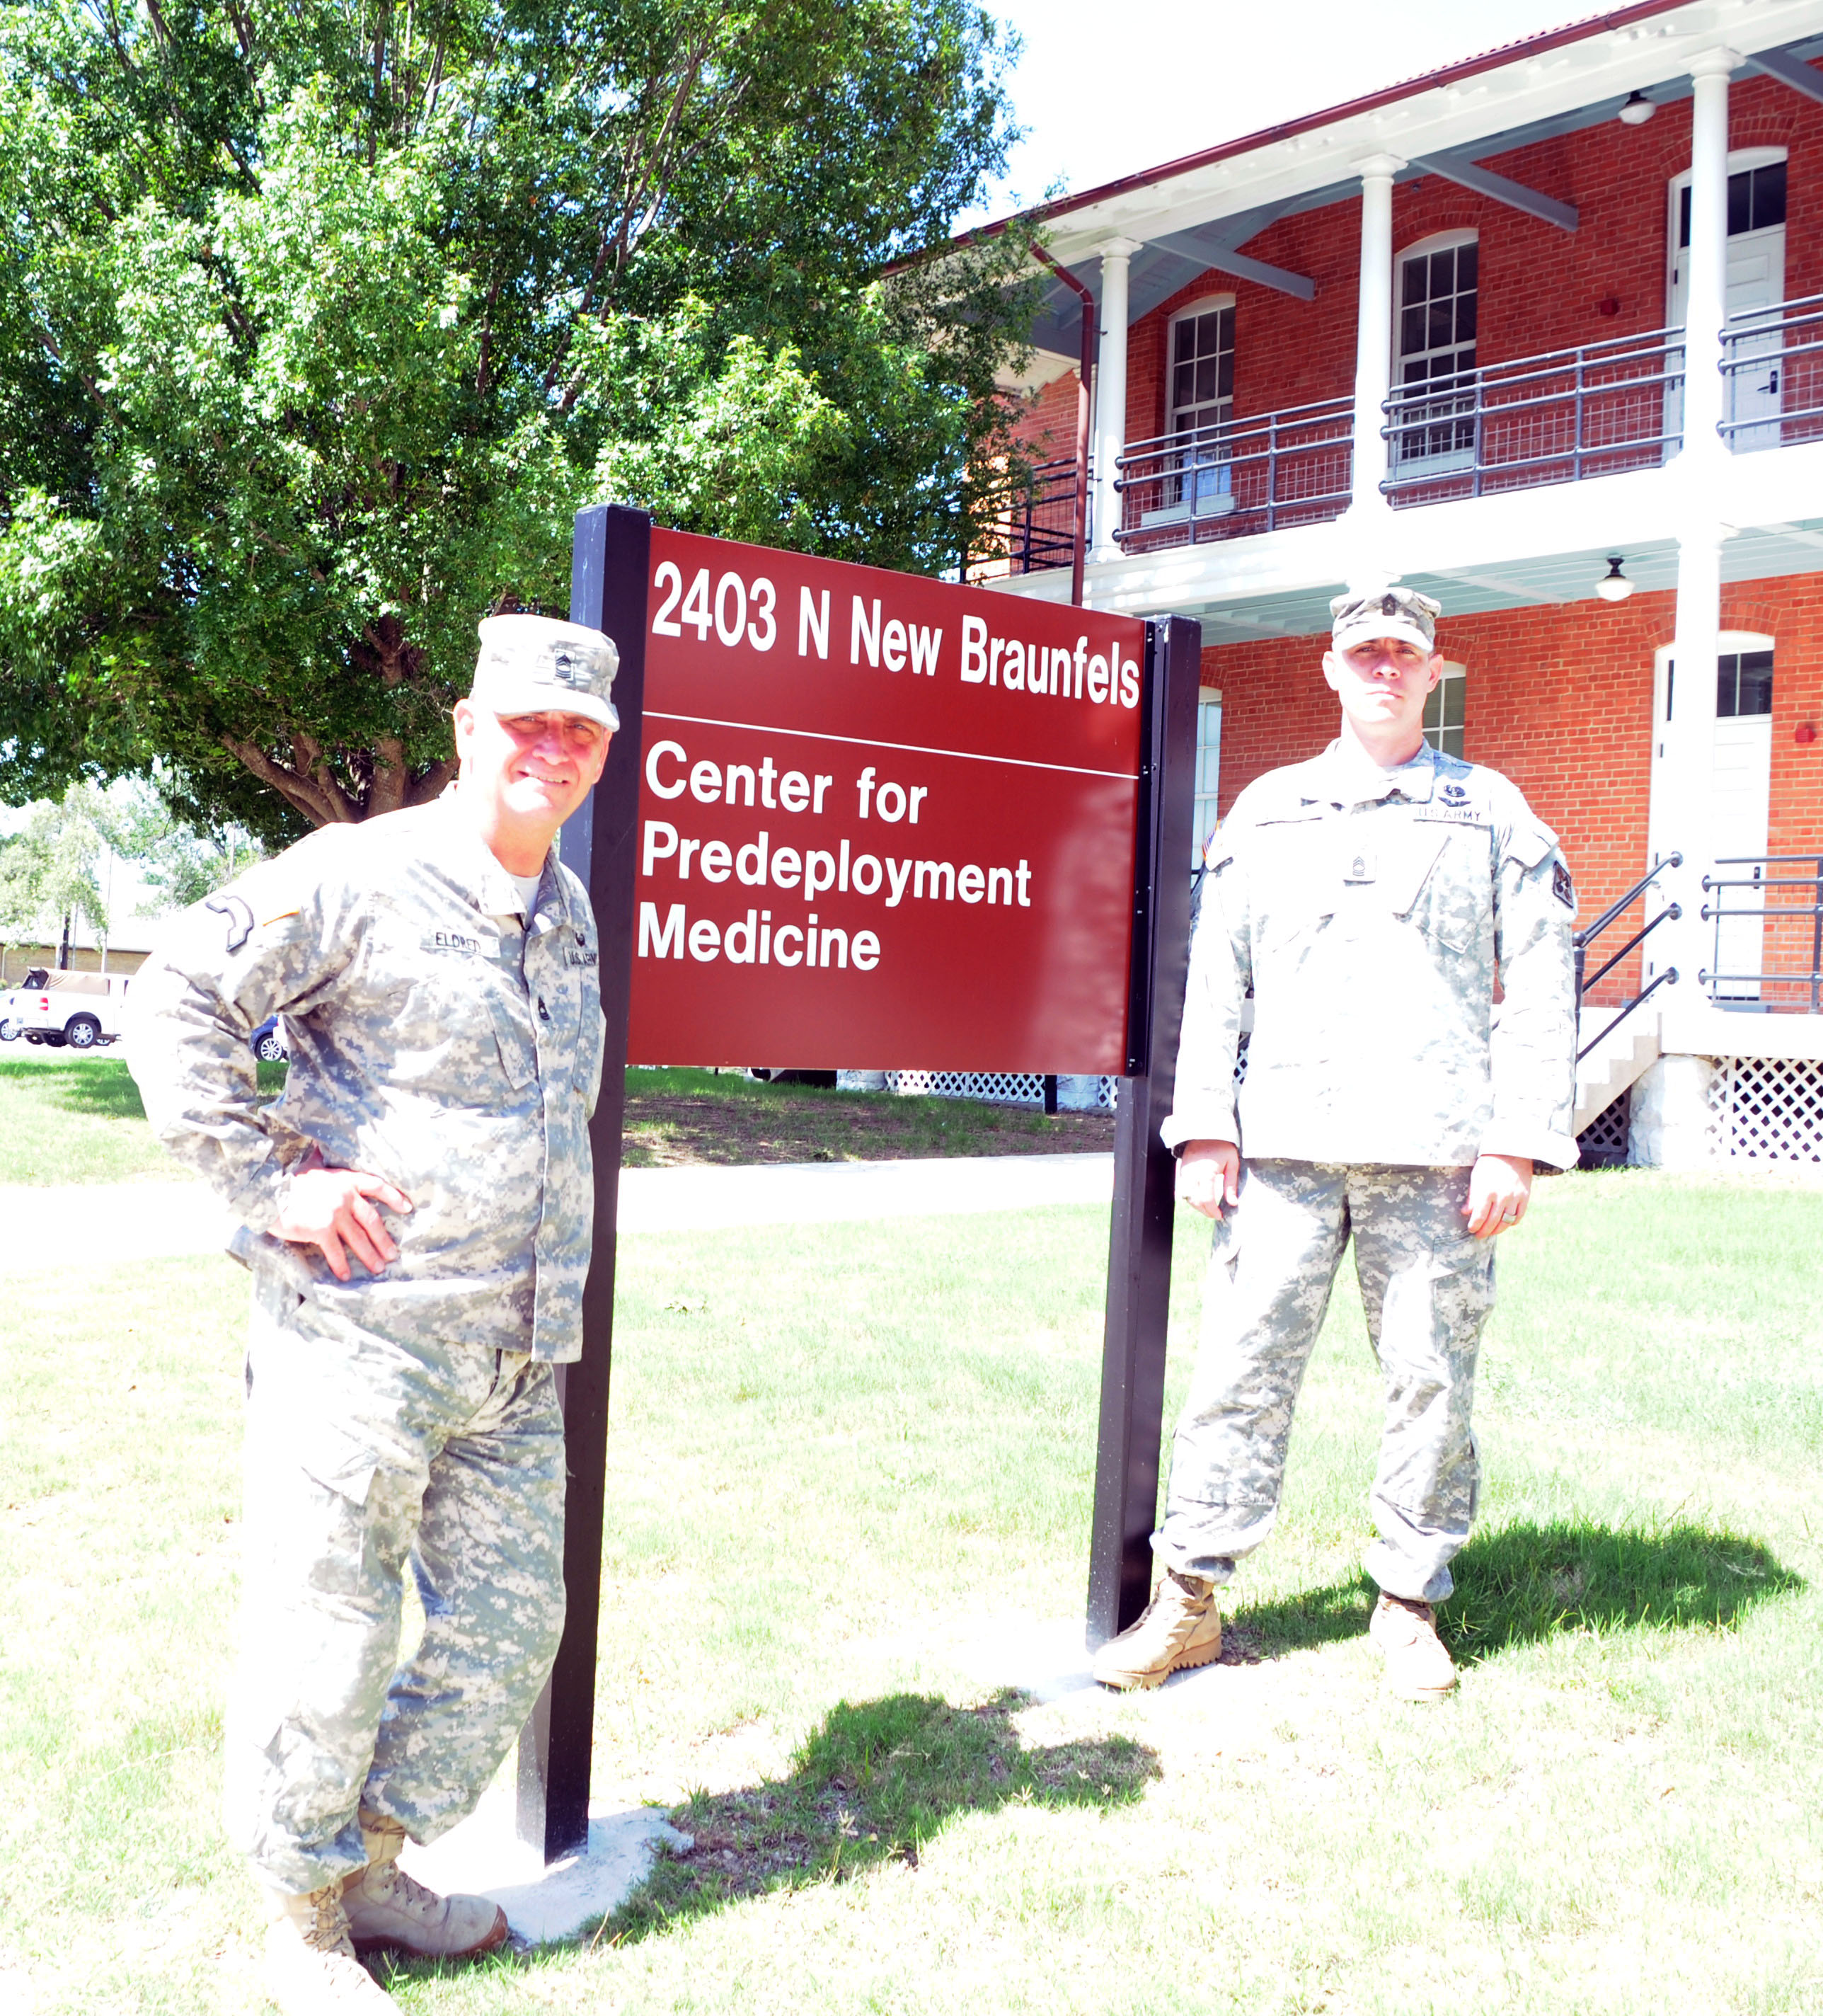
1105	90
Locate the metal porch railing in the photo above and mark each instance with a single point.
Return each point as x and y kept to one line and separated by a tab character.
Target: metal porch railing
1746	913
1245	476
1583	939
1029	529
1772	360
1559	417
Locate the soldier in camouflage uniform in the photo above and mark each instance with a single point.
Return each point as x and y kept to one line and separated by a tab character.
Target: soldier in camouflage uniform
1365	901
416	1210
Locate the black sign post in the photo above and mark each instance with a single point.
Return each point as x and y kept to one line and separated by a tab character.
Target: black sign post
1139	1248
608	591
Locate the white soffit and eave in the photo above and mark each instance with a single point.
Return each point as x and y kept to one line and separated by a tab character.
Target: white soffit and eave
1574	79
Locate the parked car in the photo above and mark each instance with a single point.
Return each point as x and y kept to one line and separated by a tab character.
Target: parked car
267	1041
81	1009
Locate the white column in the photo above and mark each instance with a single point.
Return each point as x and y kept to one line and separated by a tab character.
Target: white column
1709	261
1682	823
1684	826
1373	333
1111	393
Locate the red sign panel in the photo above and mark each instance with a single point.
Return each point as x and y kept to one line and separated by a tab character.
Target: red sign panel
884	821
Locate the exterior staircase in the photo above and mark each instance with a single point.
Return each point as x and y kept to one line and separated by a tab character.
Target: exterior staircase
1620	1057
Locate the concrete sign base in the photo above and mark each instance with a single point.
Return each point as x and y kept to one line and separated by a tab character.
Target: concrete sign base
545	1903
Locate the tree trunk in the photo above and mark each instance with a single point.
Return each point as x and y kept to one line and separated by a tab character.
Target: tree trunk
343	787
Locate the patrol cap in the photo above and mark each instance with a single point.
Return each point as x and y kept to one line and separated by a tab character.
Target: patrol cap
540	665
1362	615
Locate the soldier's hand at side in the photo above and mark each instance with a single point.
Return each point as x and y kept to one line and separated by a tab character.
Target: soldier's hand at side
1499	1187
1209	1175
332	1209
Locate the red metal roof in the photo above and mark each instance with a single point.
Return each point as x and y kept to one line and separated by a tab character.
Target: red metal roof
1528	45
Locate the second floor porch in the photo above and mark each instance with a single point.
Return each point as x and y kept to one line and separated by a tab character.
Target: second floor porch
1627	277
1570	415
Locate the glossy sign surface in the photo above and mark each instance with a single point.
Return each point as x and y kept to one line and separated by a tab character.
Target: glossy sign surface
885	822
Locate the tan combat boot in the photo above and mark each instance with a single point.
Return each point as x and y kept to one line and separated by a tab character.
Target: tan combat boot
311	1967
389	1909
1418	1668
1180	1627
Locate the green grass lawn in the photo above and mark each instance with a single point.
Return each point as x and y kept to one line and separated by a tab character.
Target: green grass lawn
69	1117
850	1477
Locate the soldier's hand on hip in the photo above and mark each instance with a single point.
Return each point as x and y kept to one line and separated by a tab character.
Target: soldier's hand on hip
1499	1187
334	1209
1209	1175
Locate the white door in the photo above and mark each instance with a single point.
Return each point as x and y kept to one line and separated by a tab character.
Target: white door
1755	280
1739	806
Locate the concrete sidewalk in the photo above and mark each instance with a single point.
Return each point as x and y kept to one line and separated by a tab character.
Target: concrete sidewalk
100	1224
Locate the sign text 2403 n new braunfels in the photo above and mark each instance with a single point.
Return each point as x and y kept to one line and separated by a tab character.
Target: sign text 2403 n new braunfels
884	821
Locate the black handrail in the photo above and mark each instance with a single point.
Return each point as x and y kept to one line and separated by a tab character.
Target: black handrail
1669	915
1666	978
1583	939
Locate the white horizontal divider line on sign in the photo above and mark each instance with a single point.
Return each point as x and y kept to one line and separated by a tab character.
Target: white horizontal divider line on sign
907	748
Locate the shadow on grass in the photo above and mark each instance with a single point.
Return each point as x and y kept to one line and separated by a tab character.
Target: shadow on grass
874	1784
100	1087
1516	1585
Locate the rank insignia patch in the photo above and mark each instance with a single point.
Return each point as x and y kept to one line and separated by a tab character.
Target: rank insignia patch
1562	888
240	918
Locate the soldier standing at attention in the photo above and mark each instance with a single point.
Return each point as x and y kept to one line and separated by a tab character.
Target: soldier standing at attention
416	1211
1366	900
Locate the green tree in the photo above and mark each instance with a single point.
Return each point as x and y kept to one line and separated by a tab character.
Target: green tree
318	323
178	864
50	870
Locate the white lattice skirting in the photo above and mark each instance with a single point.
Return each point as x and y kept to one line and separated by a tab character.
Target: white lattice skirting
1766	1109
997	1088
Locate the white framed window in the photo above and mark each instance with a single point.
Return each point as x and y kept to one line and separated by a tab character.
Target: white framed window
1208	773
1202	365
1444	715
1199	391
1437	308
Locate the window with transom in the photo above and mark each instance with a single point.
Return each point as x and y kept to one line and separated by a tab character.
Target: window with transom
1444	712
1202	401
1439	296
1208	773
1202	366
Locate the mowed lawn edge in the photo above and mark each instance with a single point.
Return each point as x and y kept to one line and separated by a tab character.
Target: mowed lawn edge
67	1119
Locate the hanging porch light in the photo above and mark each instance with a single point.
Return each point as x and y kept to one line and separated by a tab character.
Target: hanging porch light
1614	586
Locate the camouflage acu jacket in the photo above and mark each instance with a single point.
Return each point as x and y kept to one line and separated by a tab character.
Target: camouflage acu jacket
435	1040
1367	912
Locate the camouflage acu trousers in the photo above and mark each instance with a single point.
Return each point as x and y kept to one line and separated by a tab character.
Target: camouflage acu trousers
366	1456
1428	1288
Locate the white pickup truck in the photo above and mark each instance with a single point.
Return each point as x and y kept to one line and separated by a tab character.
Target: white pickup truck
81	1009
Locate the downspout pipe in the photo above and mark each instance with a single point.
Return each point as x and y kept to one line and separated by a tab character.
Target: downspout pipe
1079	523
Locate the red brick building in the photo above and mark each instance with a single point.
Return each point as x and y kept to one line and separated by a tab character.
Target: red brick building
1489	331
